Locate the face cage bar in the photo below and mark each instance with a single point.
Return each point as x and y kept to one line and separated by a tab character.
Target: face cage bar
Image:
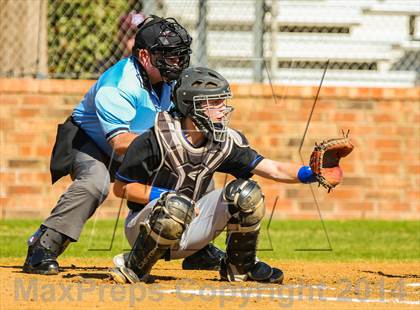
219	134
160	61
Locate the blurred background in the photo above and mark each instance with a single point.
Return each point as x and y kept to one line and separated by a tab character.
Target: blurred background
368	42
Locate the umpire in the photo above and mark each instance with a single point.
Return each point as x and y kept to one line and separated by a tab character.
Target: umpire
90	144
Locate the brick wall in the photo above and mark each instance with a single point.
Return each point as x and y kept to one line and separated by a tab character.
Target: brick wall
381	176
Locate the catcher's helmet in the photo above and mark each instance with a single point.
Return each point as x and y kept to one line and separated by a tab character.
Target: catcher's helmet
169	43
193	95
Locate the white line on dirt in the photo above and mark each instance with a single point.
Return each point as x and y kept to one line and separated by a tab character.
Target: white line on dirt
232	293
270	288
413	284
318	287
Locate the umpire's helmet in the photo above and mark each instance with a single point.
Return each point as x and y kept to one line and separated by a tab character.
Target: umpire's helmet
169	43
195	92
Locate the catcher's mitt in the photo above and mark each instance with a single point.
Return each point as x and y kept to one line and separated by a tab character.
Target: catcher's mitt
325	160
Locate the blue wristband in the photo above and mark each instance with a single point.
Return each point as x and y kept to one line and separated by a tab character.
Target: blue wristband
156	192
305	175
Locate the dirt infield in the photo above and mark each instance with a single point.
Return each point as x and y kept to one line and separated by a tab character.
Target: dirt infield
85	284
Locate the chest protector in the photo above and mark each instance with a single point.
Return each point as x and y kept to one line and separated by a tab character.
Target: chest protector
185	168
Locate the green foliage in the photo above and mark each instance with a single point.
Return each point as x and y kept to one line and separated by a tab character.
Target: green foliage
350	240
82	34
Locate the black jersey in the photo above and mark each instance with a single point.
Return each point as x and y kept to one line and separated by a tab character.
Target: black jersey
162	157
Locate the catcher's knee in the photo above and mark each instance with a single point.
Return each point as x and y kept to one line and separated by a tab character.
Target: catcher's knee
169	218
246	204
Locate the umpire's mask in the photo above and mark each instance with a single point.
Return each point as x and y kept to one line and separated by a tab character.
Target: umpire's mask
168	43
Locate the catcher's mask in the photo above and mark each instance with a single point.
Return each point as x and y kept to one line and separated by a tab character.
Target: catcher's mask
168	43
202	94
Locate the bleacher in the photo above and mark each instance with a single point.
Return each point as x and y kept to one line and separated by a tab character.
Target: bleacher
368	42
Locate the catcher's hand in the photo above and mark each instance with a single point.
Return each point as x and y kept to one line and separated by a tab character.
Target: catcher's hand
325	160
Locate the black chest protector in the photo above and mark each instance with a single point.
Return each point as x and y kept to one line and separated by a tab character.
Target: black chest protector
185	168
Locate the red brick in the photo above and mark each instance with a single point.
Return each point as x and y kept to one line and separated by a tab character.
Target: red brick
383	169
389	131
263	116
364	92
268	92
413	93
388	93
383	172
36	99
25	151
7	124
357	206
7	177
25	164
414	169
387	143
243	90
43	177
343	116
12	100
399	206
377	92
23	190
361	130
384	118
257	90
390	156
345	194
275	128
329	91
44	151
27	112
383	195
18	85
342	92
65	86
22	137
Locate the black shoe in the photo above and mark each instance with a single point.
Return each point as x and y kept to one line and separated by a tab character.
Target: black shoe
208	258
44	246
40	261
260	272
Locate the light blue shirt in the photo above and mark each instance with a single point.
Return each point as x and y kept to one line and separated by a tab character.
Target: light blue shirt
118	102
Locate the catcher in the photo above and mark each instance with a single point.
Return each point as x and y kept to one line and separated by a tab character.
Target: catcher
168	169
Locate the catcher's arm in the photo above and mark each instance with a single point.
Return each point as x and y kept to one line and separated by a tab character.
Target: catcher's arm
278	171
324	165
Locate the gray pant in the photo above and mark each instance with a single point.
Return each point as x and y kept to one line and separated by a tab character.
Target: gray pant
205	227
90	187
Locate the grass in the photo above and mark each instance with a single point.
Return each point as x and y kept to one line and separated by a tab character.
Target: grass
350	240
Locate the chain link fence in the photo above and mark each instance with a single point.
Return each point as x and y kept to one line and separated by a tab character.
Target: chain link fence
367	42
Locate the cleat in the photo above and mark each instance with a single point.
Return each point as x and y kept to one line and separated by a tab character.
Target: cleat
40	261
208	258
123	275
131	276
260	272
117	276
44	246
276	277
120	259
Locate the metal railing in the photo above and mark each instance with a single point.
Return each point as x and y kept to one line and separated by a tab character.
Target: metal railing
369	42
